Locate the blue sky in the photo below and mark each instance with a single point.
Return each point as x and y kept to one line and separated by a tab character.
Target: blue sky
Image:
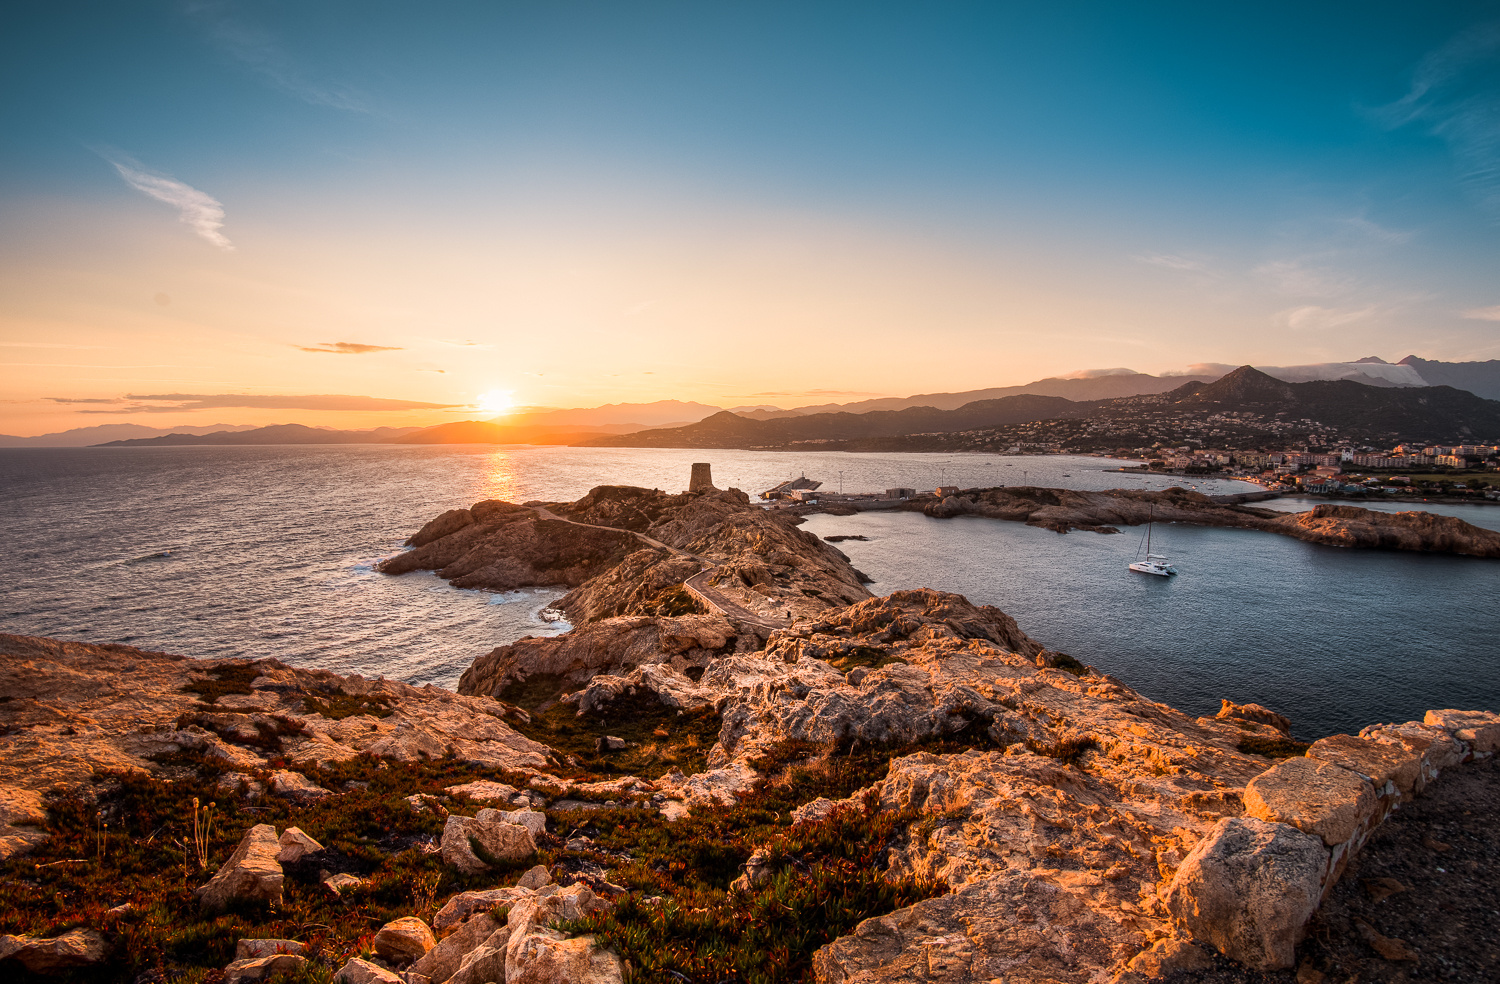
735	203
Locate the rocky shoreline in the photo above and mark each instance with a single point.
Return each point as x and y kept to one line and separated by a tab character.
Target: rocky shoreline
738	765
1331	525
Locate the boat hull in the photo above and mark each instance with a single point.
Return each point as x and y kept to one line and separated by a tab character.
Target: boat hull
1146	567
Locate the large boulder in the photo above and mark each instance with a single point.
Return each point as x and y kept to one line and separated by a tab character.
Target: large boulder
54	954
465	837
1315	797
1249	888
403	941
485	962
1384	763
252	873
443	960
358	971
1480	729
540	959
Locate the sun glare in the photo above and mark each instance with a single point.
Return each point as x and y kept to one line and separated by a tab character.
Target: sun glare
496	402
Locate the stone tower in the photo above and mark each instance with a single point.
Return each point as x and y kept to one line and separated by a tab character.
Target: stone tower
702	480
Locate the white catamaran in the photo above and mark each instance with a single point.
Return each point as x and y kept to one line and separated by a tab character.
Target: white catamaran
1154	563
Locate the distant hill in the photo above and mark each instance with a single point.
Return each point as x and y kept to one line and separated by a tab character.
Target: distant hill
729	430
1271	412
503	431
1479	378
82	437
1430	412
274	434
634	415
1112	385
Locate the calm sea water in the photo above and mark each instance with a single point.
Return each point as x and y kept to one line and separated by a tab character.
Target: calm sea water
271	553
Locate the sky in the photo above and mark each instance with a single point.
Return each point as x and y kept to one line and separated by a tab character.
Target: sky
369	214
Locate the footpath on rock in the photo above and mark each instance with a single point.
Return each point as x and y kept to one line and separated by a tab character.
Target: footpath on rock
765	775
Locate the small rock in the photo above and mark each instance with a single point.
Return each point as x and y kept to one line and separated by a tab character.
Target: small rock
1308	974
609	743
358	971
1383	888
294	845
253	949
1433	844
54	954
342	882
252	873
261	968
535	878
297	787
403	941
1386	946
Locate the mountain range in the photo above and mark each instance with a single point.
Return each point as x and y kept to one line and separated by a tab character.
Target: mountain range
1247	407
979	409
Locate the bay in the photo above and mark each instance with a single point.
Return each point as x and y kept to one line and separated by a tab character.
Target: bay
270	552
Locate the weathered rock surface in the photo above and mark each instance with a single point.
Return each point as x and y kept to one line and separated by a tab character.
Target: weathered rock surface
402	941
252	873
443	960
498	839
54	954
250	969
77	709
254	949
1318	798
295	845
1249	889
358	971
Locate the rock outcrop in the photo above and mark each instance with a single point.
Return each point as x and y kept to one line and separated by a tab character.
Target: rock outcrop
77	709
1330	525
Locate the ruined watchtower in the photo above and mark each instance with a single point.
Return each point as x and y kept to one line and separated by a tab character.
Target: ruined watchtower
702	480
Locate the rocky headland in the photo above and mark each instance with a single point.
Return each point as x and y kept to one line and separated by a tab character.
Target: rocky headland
1104	512
688	785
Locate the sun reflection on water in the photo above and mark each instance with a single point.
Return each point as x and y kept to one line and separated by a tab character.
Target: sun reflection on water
500	480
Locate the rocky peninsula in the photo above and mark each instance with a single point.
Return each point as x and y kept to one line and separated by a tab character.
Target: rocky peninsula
1103	512
737	766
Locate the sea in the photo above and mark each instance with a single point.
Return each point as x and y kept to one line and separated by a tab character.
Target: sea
271	551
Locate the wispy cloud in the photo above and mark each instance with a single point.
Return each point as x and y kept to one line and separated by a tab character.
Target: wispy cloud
183	402
348	348
199	210
1453	92
1483	314
1172	261
261	52
1314	317
1298	278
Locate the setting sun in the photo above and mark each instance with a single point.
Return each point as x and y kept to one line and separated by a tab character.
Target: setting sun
496	402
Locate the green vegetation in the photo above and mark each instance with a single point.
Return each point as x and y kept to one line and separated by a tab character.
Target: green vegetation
684	922
339	705
134	843
673	601
1272	748
1063	661
873	657
226	678
658	737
